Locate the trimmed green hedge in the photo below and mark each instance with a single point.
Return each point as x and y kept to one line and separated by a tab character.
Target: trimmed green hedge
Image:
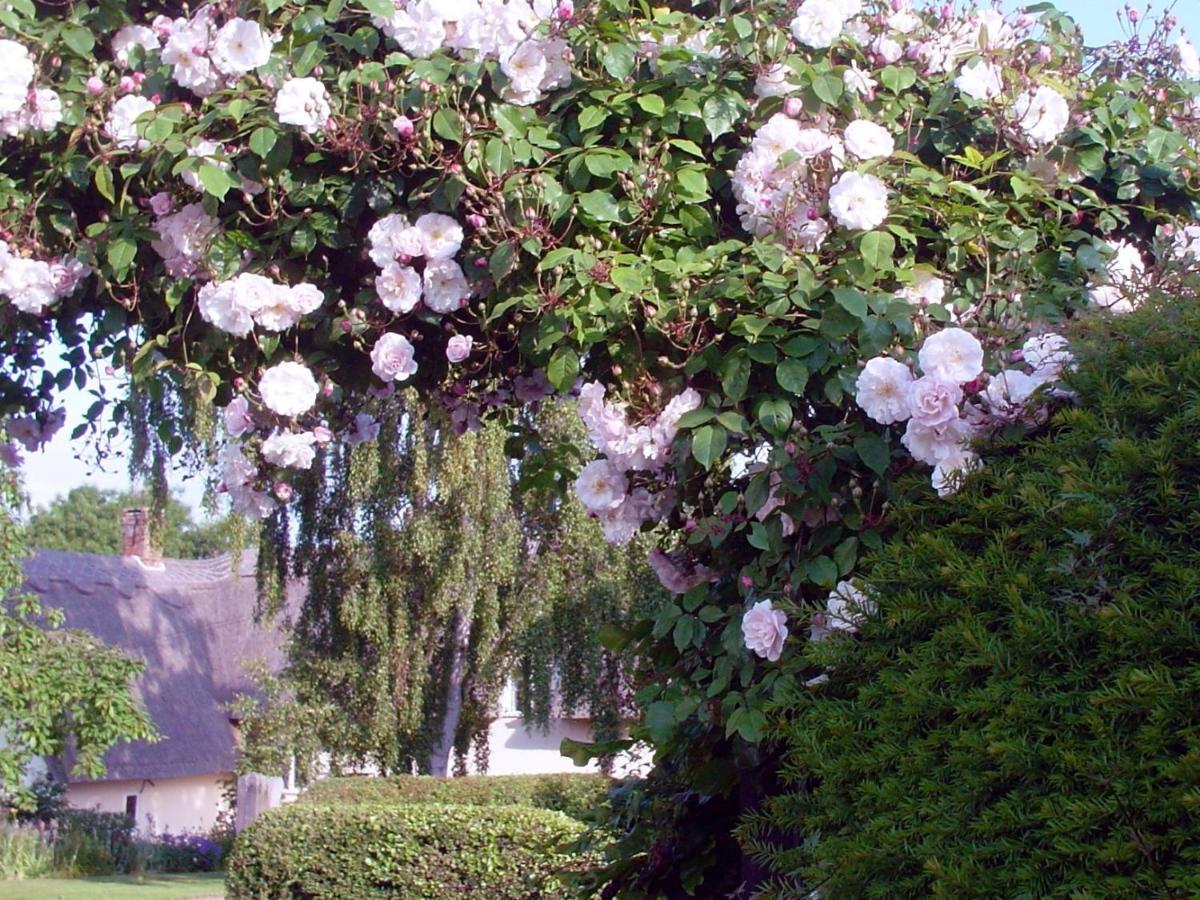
575	795
420	851
1022	717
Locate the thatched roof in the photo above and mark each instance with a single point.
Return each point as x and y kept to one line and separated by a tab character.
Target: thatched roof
193	624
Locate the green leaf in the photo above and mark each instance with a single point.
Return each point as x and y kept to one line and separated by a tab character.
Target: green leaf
78	39
262	139
592	117
775	416
721	112
877	248
603	161
696	417
619	61
660	720
652	103
828	88
852	301
447	125
216	180
120	254
708	443
693	183
897	79
874	452
385	9
792	375
563	367
501	261
735	377
822	571
601	206
103	177
628	280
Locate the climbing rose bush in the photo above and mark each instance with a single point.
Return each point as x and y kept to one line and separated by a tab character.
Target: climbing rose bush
783	253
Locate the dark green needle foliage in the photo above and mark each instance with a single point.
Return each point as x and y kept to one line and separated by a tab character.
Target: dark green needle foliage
1022	716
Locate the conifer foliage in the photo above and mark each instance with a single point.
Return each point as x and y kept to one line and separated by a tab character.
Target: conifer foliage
1021	717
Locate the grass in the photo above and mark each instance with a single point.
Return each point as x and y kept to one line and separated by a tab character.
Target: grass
117	887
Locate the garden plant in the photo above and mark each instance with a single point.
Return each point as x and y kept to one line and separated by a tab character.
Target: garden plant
785	255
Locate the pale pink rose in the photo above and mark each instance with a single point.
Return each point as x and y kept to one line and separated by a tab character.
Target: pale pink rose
933	402
458	347
392	358
764	629
601	486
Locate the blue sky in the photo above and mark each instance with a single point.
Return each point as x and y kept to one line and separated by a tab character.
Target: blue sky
56	469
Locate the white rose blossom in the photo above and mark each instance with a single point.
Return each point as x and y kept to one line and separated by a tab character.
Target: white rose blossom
933	402
601	486
882	390
288	389
818	23
292	451
458	348
121	123
441	236
932	445
1048	354
445	286
948	474
239	47
980	80
130	36
303	102
866	140
1042	114
1189	61
393	358
858	202
237	417
764	630
952	355
398	287
846	608
16	75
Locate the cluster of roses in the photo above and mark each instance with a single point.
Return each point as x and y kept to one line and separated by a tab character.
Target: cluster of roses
31	432
34	284
22	105
604	485
782	182
441	288
287	392
520	34
764	628
203	57
953	402
237	305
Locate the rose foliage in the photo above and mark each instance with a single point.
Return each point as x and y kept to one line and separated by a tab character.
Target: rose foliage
705	218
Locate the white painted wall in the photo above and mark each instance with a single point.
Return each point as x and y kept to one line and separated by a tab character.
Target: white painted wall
164	804
516	750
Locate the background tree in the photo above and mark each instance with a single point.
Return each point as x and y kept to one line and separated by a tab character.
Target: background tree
88	520
58	687
434	574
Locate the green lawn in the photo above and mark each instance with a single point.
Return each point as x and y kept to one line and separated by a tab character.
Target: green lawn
116	887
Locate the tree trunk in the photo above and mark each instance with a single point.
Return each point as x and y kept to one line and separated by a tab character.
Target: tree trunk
439	756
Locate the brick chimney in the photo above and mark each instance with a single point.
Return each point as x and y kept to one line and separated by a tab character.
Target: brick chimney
135	536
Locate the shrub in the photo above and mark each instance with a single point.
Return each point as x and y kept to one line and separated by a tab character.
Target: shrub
1022	717
24	852
576	795
429	851
91	842
184	853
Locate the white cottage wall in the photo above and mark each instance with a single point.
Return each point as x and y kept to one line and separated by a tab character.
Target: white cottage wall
173	805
